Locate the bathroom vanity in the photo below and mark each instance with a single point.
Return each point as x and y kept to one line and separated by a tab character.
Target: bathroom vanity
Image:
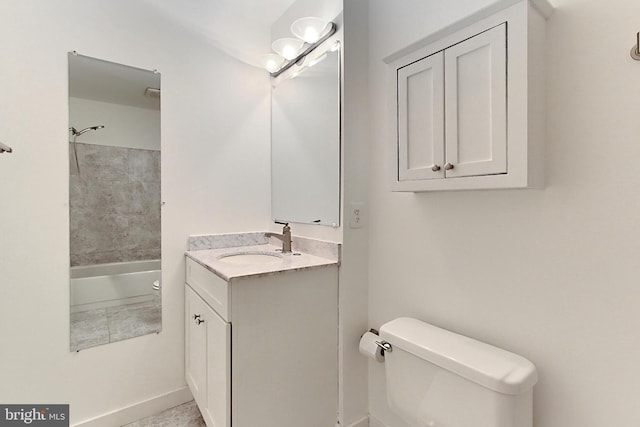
261	334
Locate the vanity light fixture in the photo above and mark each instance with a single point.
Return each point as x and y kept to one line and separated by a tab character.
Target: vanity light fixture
317	60
309	29
271	62
288	48
311	33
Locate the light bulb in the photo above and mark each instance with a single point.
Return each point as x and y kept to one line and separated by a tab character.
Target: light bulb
271	62
288	48
311	33
309	29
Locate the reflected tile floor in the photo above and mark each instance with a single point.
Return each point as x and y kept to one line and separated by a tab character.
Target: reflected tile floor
185	415
105	325
89	329
133	320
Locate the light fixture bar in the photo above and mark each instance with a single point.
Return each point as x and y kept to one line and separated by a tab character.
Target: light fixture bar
311	48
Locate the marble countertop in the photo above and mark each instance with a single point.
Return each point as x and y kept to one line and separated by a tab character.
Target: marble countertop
210	259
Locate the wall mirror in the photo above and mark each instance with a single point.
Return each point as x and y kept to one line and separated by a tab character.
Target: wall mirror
114	201
305	141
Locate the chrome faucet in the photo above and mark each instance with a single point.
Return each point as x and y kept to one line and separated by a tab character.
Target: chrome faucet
285	237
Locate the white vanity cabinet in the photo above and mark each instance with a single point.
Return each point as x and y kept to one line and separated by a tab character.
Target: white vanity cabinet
466	104
261	350
208	359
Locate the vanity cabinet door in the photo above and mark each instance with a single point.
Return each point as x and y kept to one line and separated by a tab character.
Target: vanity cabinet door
208	360
476	105
452	111
195	346
218	407
421	119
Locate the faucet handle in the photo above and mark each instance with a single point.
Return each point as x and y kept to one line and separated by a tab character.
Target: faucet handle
286	226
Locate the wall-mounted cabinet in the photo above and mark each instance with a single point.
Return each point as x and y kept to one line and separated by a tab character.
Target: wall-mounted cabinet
467	106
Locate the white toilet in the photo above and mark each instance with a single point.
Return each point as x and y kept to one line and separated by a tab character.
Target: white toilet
155	289
436	378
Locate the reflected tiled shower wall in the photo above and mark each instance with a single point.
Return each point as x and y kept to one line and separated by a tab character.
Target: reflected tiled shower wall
114	204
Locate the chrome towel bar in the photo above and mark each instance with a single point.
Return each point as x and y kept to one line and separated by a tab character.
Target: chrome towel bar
5	148
635	50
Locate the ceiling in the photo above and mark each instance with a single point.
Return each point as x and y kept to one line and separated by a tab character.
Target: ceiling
241	28
104	81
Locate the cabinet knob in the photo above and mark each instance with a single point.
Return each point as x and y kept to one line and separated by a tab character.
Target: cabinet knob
435	168
199	321
196	316
448	166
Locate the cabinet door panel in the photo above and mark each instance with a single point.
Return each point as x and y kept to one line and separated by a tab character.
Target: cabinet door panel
421	119
195	349
218	409
476	105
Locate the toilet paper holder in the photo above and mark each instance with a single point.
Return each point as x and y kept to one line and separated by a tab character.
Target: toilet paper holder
372	347
384	346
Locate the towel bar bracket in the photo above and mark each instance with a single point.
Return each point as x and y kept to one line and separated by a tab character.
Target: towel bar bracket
635	50
5	148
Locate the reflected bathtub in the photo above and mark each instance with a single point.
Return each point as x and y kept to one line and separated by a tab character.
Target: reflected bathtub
108	285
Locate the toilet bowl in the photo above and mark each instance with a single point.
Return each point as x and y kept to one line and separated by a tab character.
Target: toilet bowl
155	288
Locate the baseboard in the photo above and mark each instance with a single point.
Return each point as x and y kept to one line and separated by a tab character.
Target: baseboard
363	422
140	410
374	422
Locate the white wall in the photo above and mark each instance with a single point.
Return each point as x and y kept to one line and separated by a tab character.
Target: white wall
352	31
124	125
551	274
355	251
215	128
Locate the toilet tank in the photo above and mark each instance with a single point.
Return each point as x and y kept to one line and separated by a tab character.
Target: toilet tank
437	378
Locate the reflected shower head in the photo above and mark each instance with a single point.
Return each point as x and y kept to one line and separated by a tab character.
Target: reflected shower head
76	132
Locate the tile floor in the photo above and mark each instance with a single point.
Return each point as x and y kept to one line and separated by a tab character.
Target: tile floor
105	325
185	415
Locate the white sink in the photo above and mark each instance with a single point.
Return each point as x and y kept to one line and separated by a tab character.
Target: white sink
251	258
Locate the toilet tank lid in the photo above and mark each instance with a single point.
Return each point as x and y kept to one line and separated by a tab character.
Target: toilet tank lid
484	364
